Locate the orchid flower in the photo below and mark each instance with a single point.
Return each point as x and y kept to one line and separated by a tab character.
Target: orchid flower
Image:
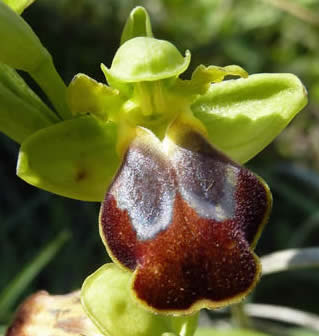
180	215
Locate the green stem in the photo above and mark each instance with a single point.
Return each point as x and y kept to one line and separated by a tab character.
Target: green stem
51	83
191	326
239	316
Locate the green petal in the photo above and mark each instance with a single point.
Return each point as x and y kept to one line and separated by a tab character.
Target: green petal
76	158
20	47
107	300
243	116
153	60
137	24
86	95
18	5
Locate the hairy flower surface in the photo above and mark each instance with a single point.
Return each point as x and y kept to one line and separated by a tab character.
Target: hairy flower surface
184	217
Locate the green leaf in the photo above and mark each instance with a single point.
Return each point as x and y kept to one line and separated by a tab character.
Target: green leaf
75	158
106	298
10	294
243	116
20	47
15	83
137	24
18	5
19	119
227	332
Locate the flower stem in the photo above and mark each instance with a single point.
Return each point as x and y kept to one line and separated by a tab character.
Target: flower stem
239	316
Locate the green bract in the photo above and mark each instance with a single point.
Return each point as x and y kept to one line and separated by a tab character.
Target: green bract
117	313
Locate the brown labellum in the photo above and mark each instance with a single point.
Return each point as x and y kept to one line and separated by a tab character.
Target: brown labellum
185	219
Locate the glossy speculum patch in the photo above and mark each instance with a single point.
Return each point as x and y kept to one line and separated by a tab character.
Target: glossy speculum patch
185	219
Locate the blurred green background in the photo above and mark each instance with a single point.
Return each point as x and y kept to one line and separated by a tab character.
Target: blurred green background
259	35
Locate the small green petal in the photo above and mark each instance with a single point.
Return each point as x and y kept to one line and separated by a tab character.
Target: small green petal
137	24
214	74
76	158
85	95
107	300
243	116
147	59
20	47
203	76
18	5
18	118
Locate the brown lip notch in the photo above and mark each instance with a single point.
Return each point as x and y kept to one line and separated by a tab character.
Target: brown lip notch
185	218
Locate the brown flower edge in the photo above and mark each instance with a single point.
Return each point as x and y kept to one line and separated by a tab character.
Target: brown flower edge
185	218
59	315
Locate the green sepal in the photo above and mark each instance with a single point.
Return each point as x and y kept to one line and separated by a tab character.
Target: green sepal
86	95
107	300
18	5
18	118
137	24
20	47
243	116
147	59
15	83
75	158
